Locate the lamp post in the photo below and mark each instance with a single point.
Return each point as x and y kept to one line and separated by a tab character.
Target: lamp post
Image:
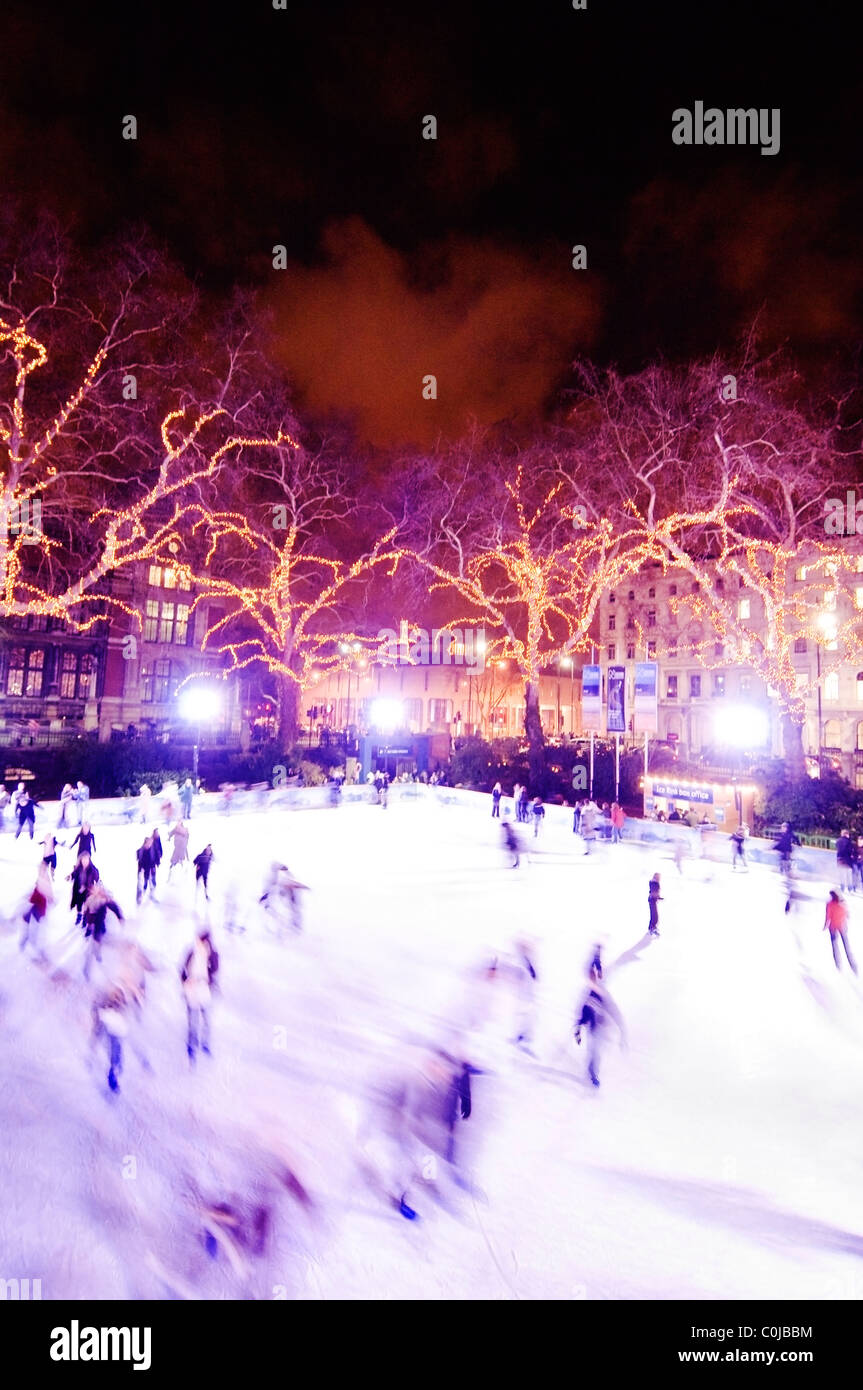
827	623
200	704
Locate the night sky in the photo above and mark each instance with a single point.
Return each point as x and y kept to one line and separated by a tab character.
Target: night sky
303	127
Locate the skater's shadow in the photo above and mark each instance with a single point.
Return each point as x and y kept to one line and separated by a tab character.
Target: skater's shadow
634	952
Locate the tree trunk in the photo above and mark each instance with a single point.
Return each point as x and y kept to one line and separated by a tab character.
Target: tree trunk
289	712
792	747
533	729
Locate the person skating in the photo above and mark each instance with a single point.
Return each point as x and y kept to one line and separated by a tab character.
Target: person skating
653	901
187	793
180	852
25	810
496	794
510	840
146	877
520	968
202	864
845	861
82	796
83	878
784	846
618	817
49	858
85	839
597	1009
94	922
39	901
197	974
537	810
67	796
588	825
523	804
110	1022
145	798
157	852
836	922
738	849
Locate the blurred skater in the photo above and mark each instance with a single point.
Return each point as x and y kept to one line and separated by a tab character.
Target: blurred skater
25	810
202	864
94	921
146	876
49	858
597	1009
738	849
39	901
85	839
83	878
836	922
180	851
197	974
110	1022
511	842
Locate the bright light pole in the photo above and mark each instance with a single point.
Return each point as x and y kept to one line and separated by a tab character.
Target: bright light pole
200	704
827	623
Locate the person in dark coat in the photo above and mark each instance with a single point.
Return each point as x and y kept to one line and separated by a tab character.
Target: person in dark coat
99	903
597	1009
83	878
496	793
653	899
157	851
202	864
523	803
85	839
26	813
146	869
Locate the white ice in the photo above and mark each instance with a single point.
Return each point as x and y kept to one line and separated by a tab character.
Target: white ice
721	1157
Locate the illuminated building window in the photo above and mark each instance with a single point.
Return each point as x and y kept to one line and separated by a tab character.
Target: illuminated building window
860	685
166	626
718	684
181	629
24	671
831	686
155	577
155	681
671	688
170	579
151	620
743	608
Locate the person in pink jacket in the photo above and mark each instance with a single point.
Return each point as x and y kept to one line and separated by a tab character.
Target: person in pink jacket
836	922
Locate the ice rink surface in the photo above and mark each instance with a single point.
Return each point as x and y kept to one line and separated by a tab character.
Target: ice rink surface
721	1158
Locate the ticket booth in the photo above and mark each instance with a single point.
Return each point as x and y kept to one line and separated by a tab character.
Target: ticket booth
723	802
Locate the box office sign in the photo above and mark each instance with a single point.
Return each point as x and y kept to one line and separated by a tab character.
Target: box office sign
678	793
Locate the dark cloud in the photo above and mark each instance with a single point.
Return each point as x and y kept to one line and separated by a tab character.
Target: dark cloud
495	326
787	251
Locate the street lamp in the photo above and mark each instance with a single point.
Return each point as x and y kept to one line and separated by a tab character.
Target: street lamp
200	704
827	623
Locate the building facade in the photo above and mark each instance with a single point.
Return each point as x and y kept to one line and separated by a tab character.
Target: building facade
637	622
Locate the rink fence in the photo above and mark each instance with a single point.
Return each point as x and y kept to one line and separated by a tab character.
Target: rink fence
714	844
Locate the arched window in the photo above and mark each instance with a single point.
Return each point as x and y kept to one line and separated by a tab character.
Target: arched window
860	737
832	733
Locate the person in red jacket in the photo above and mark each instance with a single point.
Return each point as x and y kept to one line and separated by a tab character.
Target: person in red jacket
836	922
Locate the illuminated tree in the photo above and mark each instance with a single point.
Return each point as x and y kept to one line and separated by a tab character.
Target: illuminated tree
292	604
522	544
91	474
734	483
